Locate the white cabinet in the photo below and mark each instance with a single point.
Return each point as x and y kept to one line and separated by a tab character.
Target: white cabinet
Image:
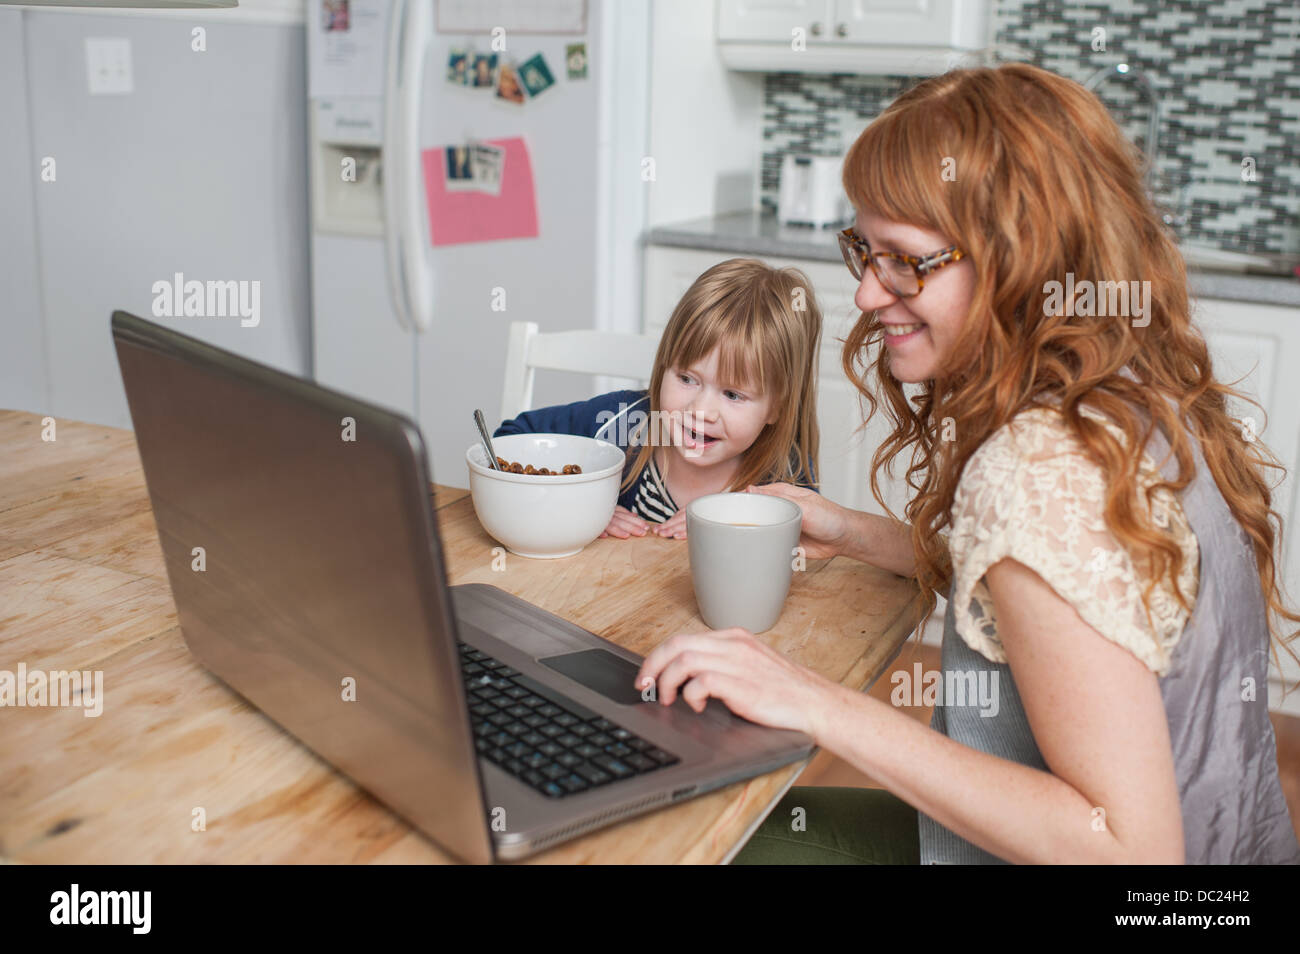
905	22
908	37
1254	343
772	21
1252	348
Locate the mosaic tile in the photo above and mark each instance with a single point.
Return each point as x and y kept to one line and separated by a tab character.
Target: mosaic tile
1227	75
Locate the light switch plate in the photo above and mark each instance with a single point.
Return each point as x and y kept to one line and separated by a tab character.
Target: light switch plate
108	65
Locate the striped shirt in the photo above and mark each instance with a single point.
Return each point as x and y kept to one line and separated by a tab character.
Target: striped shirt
653	501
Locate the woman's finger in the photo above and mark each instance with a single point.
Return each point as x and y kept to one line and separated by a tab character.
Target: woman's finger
722	686
712	642
685	667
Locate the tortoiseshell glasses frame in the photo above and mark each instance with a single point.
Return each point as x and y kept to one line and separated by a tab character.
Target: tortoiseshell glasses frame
857	253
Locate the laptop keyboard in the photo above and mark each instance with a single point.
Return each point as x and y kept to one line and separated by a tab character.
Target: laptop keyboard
545	739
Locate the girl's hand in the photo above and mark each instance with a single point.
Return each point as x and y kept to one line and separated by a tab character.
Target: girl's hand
754	680
623	524
674	526
825	523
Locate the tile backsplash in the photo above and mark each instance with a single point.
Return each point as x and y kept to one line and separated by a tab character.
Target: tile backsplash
1227	75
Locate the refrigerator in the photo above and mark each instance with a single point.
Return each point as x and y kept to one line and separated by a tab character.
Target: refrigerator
422	327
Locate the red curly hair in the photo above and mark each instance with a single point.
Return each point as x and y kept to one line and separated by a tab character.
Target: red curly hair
1046	183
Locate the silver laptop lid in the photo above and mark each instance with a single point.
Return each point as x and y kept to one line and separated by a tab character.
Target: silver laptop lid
306	567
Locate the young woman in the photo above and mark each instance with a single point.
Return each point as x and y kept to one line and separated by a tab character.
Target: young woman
1100	524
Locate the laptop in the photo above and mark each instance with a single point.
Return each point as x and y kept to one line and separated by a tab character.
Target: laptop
308	574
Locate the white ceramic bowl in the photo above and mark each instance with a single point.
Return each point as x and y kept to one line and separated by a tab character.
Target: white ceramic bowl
549	516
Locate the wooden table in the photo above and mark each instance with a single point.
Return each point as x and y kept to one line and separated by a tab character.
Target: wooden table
83	586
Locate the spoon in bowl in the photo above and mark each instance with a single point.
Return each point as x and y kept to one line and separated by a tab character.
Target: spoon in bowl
487	441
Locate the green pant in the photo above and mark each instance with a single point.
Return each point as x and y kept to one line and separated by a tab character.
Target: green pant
841	826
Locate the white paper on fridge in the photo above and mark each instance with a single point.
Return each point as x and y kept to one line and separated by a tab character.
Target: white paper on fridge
515	16
346	42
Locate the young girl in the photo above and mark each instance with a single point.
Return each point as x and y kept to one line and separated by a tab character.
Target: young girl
732	399
1110	555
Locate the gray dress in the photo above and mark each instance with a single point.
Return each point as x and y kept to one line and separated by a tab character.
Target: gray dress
1224	754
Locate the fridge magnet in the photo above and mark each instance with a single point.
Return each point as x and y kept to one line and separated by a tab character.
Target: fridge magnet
484	72
536	75
488	163
335	15
458	68
459	169
457	216
508	87
575	58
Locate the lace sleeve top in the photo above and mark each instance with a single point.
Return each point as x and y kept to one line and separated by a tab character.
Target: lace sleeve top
1030	493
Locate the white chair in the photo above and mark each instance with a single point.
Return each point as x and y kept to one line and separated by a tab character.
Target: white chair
586	352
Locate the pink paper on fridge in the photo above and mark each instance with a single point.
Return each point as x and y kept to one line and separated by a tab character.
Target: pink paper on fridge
456	217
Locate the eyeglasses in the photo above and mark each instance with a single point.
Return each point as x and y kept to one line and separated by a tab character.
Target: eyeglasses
904	275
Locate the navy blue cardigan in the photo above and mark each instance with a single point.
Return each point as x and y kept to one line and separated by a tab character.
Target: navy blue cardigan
584	418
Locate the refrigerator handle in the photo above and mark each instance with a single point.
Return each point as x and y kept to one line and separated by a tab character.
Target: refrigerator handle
410	278
392	163
416	268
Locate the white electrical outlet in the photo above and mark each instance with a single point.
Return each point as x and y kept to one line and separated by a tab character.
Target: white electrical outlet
108	65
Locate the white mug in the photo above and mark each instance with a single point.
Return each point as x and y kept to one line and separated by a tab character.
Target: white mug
742	550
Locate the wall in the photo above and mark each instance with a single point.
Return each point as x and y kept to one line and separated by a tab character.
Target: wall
703	119
1227	75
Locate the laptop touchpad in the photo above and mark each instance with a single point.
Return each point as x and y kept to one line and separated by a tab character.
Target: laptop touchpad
598	669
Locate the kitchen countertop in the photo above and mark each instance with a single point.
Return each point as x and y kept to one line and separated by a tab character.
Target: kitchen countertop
758	233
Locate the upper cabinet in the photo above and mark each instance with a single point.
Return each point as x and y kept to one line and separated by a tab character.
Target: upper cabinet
895	37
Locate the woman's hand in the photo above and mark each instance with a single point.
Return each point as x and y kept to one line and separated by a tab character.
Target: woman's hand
754	680
825	523
624	523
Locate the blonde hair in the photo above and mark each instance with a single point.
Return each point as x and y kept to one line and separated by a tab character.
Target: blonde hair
766	325
1047	183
